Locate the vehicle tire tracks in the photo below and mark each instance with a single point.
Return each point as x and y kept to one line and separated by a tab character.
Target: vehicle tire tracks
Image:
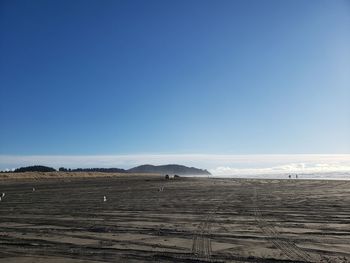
288	247
201	245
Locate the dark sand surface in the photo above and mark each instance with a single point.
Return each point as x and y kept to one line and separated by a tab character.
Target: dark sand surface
192	220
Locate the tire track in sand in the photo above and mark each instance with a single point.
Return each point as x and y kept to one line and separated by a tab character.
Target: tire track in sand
201	245
292	251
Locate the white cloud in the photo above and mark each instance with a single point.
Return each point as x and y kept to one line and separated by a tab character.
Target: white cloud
291	168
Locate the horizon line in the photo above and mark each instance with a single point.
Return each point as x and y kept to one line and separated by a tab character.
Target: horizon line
214	163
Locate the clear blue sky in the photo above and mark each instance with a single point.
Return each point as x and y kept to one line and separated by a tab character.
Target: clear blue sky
125	77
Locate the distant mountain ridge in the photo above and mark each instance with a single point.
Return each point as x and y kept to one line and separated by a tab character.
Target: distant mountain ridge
170	169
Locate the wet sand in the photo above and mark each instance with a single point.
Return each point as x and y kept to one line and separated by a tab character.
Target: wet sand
192	220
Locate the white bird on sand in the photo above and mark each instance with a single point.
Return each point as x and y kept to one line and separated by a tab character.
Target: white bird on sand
104	198
3	195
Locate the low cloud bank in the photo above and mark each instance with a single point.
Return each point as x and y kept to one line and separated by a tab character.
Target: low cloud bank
293	168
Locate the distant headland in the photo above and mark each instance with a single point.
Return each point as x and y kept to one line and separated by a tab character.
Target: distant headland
142	169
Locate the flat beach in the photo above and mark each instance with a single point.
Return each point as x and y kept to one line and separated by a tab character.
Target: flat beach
192	220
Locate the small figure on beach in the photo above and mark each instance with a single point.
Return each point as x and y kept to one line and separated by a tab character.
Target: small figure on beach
33	189
2	195
289	176
296	176
104	199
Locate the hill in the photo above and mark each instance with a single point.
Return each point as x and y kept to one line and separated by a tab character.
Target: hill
168	169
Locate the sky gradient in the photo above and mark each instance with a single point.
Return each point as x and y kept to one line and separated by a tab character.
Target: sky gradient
174	77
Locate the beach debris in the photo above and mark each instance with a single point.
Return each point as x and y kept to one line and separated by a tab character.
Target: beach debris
161	189
104	198
33	189
3	195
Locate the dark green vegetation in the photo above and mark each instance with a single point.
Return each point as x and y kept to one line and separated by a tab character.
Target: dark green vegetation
99	170
192	220
34	168
153	169
170	169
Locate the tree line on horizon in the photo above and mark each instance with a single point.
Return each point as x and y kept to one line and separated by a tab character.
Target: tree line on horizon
42	168
162	169
34	168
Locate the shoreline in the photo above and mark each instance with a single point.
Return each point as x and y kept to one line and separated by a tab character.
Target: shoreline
35	176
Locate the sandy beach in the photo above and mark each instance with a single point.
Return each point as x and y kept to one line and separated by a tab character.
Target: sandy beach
191	220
